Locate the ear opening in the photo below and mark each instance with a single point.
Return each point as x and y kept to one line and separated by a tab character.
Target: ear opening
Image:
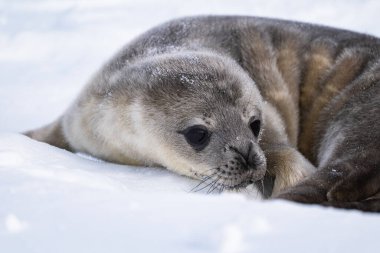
51	134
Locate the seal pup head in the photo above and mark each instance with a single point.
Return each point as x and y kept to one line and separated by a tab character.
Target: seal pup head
198	114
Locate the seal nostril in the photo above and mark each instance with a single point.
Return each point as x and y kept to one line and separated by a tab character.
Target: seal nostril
247	157
253	160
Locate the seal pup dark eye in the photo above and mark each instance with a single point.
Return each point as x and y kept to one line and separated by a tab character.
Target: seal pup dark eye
255	125
197	136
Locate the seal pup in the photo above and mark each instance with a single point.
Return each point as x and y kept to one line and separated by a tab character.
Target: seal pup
183	106
198	114
305	87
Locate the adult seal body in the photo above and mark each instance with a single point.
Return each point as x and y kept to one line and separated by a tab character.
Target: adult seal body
239	100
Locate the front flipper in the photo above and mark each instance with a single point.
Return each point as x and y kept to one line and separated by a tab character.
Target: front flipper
287	166
358	185
368	205
340	186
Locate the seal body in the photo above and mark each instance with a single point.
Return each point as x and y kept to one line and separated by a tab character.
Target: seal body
228	99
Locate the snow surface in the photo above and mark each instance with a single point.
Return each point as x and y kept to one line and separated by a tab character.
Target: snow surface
55	201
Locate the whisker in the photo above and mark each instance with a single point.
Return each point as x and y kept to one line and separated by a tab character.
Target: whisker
257	194
212	188
220	186
204	180
221	189
262	185
206	185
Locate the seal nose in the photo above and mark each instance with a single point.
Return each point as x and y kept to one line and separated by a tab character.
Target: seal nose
249	155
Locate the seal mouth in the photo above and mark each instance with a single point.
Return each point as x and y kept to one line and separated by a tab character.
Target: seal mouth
217	182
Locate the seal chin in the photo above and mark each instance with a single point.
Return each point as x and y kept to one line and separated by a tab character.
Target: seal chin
245	176
219	180
250	177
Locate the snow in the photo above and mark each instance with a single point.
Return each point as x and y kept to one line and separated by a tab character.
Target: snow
56	201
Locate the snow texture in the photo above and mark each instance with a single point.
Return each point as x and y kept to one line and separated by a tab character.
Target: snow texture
56	201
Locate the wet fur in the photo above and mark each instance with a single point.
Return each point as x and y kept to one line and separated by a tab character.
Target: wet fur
321	91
